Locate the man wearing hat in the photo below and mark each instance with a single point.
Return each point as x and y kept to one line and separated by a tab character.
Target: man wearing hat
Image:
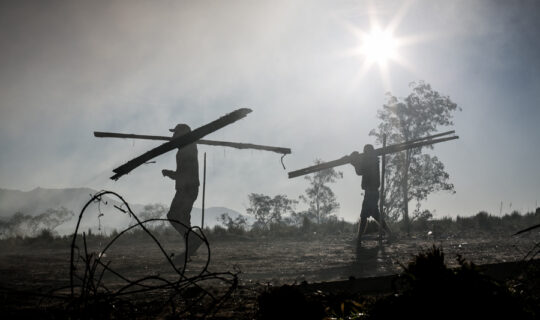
186	179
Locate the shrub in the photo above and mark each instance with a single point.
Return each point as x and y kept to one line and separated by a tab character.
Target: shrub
234	226
485	221
431	290
442	227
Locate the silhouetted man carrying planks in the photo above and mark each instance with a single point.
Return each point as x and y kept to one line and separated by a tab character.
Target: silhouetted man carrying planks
367	166
187	184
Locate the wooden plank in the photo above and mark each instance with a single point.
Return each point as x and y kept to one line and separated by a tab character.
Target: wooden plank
428	137
319	167
378	152
181	141
102	134
405	146
237	145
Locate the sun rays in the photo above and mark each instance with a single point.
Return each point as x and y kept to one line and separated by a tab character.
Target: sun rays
379	46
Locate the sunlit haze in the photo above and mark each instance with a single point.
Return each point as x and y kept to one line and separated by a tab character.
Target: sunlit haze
70	68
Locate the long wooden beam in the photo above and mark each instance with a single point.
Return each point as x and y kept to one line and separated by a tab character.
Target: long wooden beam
427	137
236	145
386	150
181	141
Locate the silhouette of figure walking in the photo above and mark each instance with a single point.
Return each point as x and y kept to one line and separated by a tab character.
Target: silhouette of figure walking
367	166
187	184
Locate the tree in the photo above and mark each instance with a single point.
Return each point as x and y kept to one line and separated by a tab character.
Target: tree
412	174
320	198
236	225
267	210
302	218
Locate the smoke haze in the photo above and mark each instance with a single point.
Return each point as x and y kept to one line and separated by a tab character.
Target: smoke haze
72	67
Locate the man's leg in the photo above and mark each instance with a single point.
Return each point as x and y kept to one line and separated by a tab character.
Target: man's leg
180	224
176	212
383	225
181	211
376	214
193	239
362	226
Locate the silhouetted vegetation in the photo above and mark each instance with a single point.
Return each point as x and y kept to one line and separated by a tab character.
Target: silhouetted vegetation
319	196
412	175
423	226
267	210
429	289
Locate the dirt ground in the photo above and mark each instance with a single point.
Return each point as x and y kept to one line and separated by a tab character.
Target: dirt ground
277	260
258	262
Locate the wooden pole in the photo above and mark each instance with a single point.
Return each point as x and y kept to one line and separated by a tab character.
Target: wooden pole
381	196
203	191
180	142
427	138
378	152
237	145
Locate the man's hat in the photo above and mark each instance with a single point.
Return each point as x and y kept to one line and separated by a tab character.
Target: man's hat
368	148
181	126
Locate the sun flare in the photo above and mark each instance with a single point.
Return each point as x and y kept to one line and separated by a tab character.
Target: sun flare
382	49
379	47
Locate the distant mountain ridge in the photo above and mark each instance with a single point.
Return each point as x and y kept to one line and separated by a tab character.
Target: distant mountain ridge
39	200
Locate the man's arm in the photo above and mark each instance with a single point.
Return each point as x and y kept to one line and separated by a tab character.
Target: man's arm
357	163
169	173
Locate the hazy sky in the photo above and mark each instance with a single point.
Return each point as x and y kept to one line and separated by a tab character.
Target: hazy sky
69	68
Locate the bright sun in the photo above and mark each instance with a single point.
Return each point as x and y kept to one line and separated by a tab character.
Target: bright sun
379	47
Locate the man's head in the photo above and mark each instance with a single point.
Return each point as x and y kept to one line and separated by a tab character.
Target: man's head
368	148
180	130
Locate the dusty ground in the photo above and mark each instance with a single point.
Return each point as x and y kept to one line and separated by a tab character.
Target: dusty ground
285	260
333	258
258	262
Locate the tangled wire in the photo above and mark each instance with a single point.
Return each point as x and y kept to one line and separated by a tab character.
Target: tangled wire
535	250
91	297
